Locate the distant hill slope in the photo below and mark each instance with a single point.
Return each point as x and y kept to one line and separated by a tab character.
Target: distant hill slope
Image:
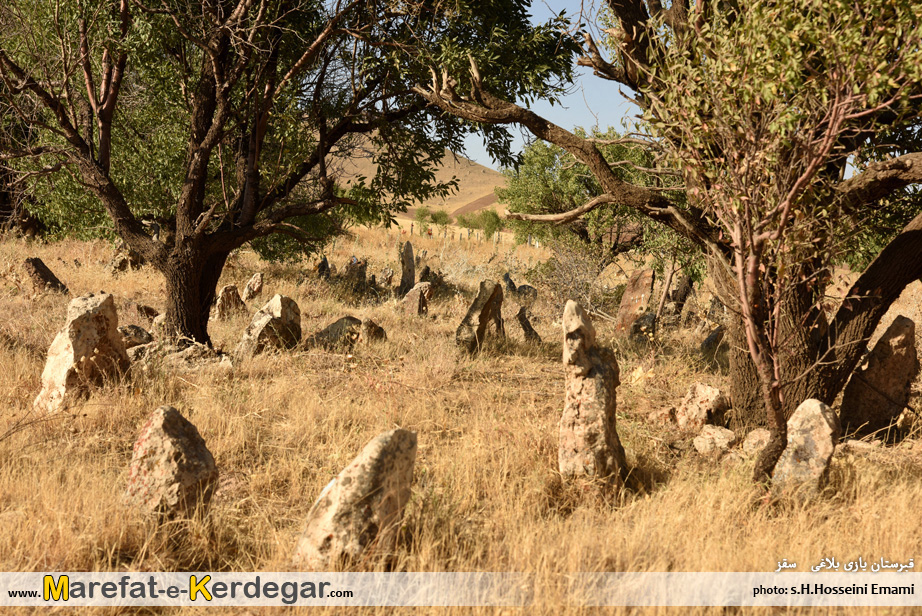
475	182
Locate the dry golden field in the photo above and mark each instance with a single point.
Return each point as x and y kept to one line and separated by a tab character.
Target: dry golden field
486	497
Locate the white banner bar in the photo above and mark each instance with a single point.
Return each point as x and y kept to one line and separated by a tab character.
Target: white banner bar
460	589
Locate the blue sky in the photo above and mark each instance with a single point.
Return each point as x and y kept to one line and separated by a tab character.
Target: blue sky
591	102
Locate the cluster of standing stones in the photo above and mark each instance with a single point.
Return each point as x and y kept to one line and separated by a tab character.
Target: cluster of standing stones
174	475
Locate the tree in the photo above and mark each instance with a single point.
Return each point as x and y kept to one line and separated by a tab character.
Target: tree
422	218
549	182
440	218
223	120
741	70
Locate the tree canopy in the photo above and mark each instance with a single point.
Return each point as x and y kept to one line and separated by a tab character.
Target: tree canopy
763	107
224	120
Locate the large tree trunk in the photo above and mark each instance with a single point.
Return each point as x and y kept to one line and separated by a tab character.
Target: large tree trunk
191	283
818	356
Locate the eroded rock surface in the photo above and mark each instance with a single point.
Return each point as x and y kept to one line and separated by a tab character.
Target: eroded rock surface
362	506
589	444
636	298
88	351
416	302
714	440
702	405
228	303
43	279
253	288
408	270
813	431
486	309
277	325
172	472
879	390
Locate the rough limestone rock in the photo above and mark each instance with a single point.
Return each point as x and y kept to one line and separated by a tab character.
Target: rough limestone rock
756	441
643	329
879	390
416	302
88	351
530	334
253	287
341	334
172	472
371	332
277	325
43	279
323	269
635	299
387	276
813	431
125	259
714	440
362	506
133	336
228	303
714	345
702	405
589	444
408	270
487	308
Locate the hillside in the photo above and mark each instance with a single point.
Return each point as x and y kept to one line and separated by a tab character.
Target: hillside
475	182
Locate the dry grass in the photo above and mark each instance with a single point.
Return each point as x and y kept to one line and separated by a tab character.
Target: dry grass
486	497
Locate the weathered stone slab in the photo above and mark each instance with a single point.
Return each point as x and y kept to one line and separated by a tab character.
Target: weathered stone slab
372	332
323	269
813	431
530	334
253	288
756	441
643	329
88	351
277	325
172	472
485	310
702	405
636	298
228	303
588	444
714	440
362	507
43	279
879	390
133	336
408	270
341	334
416	302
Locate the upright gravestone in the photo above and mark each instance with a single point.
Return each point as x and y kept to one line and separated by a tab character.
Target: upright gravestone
43	279
486	309
408	270
276	325
589	444
172	472
362	506
228	303
879	390
813	431
636	298
88	351
253	287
